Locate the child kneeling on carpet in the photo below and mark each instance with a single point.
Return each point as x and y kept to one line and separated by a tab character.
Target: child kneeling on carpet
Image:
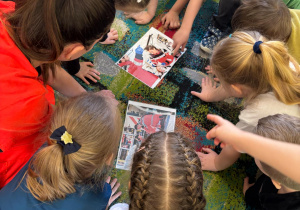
273	190
258	70
70	172
136	9
166	174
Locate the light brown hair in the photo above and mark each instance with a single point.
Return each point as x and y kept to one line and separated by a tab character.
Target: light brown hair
42	28
271	18
95	125
235	62
166	174
280	127
132	3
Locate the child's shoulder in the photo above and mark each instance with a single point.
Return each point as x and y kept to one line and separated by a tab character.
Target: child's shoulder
262	106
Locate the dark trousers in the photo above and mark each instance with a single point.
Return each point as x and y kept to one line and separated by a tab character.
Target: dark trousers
227	8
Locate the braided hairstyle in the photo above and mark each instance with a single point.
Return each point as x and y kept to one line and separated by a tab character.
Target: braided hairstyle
166	174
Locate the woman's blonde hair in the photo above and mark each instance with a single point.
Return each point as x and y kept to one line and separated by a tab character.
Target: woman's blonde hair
235	62
94	124
166	174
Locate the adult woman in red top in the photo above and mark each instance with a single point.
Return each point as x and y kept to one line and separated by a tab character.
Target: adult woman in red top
33	39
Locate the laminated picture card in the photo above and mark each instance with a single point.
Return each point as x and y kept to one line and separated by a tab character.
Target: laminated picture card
150	59
141	120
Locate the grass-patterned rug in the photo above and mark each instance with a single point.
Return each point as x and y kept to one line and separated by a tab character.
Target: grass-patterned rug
223	190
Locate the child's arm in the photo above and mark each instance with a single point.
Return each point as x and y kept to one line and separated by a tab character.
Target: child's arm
171	19
145	17
182	35
210	92
284	157
65	83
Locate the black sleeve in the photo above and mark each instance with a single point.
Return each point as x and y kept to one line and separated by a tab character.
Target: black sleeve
72	67
252	194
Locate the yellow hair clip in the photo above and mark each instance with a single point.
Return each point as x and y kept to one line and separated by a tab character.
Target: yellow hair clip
66	138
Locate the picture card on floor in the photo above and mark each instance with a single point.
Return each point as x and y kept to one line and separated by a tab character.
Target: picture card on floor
150	59
140	121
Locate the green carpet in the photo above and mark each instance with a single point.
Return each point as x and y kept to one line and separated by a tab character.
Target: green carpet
223	190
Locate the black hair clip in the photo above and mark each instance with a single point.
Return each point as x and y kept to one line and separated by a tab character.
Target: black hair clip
64	139
256	47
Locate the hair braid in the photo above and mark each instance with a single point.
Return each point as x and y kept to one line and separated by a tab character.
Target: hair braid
166	174
194	176
140	177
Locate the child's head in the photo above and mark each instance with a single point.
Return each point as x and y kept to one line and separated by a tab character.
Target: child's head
95	124
131	6
271	18
280	127
59	30
241	62
166	174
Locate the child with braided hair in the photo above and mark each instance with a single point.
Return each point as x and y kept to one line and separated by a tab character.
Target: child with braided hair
166	174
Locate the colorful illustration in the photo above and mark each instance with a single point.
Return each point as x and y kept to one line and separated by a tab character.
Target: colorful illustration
142	120
150	59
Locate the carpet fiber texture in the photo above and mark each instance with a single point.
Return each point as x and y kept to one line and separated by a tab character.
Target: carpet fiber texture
223	190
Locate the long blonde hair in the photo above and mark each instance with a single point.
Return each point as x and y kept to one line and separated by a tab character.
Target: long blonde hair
166	174
235	62
95	125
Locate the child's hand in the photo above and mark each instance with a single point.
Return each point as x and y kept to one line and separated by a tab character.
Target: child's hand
209	87
114	187
224	132
171	20
180	39
208	160
87	72
210	70
112	36
140	18
246	185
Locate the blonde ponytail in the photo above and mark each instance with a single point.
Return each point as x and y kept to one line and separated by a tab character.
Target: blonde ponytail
49	185
284	80
235	62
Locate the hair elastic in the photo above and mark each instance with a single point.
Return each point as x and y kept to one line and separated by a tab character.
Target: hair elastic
256	47
230	35
64	139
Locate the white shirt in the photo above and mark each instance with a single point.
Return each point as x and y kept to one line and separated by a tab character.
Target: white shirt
262	106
